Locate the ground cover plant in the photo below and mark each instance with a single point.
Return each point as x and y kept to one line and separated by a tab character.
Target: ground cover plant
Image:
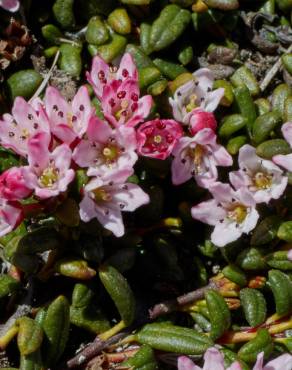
145	184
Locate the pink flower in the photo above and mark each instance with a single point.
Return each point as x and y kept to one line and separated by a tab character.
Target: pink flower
196	93
25	122
215	360
12	185
10	216
102	74
106	197
289	255
233	213
198	157
68	120
10	5
122	105
48	174
106	150
262	177
285	161
157	138
200	119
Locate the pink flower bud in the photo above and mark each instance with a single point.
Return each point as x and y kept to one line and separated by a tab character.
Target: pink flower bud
12	185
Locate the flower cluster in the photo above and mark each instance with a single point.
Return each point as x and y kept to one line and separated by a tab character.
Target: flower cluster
55	137
214	360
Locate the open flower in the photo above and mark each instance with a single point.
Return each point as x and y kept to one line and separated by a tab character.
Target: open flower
25	122
201	119
10	5
106	197
10	216
285	161
233	213
215	360
196	93
122	105
262	177
198	157
68	120
157	138
48	173
102	74
106	149
12	185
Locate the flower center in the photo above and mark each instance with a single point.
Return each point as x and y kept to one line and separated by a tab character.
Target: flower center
110	153
157	139
197	155
24	134
101	195
49	177
192	103
262	180
238	214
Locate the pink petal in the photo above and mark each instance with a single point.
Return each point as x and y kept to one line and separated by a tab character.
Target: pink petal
98	130
184	363
284	161
213	99
130	196
283	362
205	78
247	158
210	175
222	192
113	221
12	184
235	366
81	108
64	133
287	132
208	212
250	221
53	99
87	209
260	361
181	172
289	255
10	5
239	179
127	65
223	158
213	359
225	233
10	217
200	119
98	65
205	137
144	108
84	154
38	152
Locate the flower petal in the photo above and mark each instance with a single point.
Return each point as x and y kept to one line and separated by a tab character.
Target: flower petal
287	132
284	161
283	362
184	363
213	359
208	212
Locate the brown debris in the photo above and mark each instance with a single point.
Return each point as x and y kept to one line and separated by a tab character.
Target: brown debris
64	82
13	45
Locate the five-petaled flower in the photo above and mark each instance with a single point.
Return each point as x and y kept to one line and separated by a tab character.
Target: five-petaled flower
196	93
106	150
26	121
122	105
198	157
48	173
102	74
106	197
68	121
157	138
260	176
233	213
